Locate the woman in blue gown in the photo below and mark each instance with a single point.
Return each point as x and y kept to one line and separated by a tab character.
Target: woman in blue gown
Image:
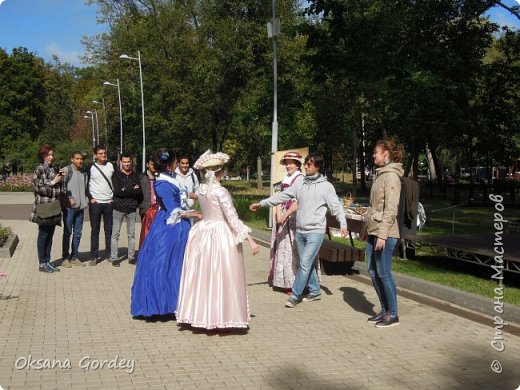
157	275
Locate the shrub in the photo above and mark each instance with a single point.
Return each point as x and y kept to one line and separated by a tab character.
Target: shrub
242	205
4	233
17	184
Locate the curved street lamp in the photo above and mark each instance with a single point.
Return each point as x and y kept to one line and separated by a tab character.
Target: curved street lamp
127	57
120	113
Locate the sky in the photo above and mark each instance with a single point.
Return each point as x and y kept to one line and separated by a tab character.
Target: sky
47	27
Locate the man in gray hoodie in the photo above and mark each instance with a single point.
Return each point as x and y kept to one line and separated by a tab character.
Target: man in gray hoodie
74	188
314	195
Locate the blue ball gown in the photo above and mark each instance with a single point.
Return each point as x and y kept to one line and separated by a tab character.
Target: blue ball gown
157	276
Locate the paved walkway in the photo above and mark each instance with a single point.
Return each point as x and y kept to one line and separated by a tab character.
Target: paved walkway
79	319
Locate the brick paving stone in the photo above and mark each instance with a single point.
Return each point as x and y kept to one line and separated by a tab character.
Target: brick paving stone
84	311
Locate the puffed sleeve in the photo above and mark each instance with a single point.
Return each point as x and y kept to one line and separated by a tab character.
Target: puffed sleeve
239	229
170	196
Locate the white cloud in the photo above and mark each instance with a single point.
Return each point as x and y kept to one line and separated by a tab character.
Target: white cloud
1	1
70	57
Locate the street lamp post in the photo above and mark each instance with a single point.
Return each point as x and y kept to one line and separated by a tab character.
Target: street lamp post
126	57
273	30
91	117
120	113
102	102
97	126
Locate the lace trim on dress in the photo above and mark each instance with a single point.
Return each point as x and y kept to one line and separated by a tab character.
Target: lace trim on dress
175	216
242	236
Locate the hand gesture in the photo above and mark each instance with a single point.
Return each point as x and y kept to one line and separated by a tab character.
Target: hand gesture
254	206
254	246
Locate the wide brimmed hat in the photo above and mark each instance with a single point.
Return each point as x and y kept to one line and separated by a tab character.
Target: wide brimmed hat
292	156
211	160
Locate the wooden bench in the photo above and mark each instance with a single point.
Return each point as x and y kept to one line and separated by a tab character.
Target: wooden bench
336	257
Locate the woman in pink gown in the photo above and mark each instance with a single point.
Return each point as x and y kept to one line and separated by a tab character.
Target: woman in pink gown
212	293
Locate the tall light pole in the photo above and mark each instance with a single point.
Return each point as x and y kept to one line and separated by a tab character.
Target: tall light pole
102	102
120	113
91	117
94	115
273	30
126	57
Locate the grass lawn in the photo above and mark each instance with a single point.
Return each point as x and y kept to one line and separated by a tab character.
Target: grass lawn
429	265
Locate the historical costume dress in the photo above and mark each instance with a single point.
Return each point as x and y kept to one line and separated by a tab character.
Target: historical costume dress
157	275
284	254
213	291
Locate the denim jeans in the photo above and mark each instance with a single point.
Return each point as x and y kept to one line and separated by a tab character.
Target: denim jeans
44	243
130	229
380	269
308	245
96	210
72	225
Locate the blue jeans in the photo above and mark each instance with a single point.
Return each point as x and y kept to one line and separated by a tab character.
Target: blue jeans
72	225
44	243
308	245
380	269
96	210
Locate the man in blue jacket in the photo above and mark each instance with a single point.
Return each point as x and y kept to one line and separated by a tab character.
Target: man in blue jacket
314	195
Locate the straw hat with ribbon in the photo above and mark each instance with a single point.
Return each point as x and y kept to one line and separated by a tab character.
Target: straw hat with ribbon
292	156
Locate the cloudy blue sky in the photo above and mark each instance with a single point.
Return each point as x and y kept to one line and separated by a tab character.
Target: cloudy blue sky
49	27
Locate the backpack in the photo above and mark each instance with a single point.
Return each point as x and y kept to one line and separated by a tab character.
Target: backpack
408	207
192	174
64	196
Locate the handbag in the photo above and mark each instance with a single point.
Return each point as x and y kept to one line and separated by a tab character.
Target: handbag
48	210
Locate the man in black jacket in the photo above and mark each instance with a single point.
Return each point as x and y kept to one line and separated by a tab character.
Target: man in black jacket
127	196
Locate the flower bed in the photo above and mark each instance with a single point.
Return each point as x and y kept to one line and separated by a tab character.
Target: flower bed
21	183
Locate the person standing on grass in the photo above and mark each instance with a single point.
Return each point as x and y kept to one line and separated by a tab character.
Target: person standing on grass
74	187
314	195
382	229
127	196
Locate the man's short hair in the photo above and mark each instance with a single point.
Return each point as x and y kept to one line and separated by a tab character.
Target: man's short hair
316	159
126	155
98	148
75	153
184	156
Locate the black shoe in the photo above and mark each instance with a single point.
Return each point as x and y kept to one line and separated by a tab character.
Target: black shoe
54	269
132	261
45	268
116	263
376	318
388	321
